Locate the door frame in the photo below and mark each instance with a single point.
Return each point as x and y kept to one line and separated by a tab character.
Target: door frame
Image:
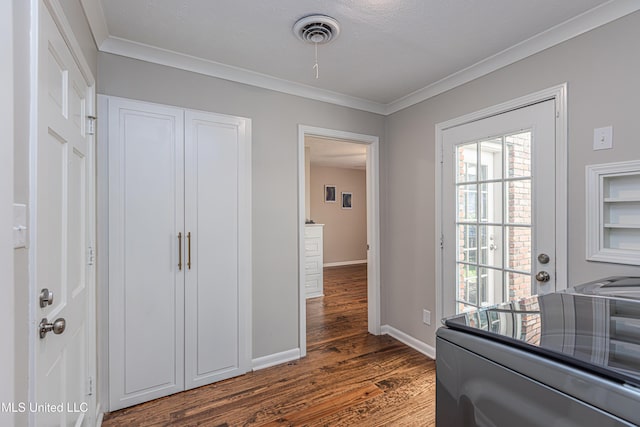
57	13
559	95
373	224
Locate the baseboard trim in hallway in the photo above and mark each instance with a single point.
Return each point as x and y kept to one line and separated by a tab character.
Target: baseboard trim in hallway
412	342
275	359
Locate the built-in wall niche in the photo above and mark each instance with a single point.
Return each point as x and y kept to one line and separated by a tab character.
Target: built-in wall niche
613	212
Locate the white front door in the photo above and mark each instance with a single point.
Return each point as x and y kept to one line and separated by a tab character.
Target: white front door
498	208
61	393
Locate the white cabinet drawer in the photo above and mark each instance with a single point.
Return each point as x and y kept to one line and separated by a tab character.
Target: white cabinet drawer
313	260
313	285
313	266
312	246
312	231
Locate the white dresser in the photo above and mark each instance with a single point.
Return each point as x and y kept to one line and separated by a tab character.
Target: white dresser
313	248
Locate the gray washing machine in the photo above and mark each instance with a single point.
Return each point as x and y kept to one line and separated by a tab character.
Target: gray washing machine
569	358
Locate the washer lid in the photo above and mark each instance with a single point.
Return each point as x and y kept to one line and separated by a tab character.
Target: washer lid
596	332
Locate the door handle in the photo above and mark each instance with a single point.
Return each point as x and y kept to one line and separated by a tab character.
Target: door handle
179	251
57	327
189	250
543	276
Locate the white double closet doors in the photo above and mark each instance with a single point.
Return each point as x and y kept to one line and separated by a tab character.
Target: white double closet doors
179	249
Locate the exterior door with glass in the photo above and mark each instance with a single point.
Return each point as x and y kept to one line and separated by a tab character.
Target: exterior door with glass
498	208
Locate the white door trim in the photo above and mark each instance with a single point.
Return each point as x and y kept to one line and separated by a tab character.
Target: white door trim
8	311
373	224
57	13
559	95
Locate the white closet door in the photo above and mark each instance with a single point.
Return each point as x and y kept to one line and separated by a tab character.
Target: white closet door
215	317
146	286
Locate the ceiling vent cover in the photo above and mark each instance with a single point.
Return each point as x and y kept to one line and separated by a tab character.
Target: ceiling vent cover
318	29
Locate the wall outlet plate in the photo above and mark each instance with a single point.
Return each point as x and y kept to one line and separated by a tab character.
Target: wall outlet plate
426	317
603	138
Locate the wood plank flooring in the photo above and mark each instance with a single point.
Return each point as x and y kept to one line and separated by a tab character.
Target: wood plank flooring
349	377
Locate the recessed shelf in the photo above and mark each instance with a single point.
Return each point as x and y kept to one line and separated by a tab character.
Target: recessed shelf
613	212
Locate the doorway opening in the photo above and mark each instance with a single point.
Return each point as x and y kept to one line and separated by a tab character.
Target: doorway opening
362	244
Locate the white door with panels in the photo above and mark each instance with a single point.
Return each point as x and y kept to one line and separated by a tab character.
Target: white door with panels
498	208
179	249
61	266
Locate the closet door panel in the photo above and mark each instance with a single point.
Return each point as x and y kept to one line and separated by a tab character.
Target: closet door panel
146	288
212	288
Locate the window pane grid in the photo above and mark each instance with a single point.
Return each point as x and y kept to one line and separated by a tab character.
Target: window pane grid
493	223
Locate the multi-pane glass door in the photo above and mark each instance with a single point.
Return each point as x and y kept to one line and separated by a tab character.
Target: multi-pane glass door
493	223
498	208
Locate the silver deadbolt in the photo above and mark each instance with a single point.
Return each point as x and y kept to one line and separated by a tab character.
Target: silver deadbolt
46	297
543	259
543	276
57	327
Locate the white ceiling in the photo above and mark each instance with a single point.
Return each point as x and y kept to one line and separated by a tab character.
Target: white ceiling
390	53
335	153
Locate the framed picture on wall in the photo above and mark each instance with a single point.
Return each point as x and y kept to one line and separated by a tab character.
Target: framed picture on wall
330	193
346	200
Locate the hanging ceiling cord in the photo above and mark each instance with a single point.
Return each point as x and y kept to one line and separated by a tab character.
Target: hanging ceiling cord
316	67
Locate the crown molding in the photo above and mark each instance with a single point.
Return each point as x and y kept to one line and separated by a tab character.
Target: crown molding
227	72
97	21
580	24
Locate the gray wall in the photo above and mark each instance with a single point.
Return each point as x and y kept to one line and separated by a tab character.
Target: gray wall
601	68
75	15
275	118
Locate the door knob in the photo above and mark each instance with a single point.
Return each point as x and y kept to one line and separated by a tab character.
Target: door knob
58	326
46	297
543	276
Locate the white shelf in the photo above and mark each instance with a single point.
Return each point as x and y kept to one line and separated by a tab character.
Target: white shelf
622	200
613	212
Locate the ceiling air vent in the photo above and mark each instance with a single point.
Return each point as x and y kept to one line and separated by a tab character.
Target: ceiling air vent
318	29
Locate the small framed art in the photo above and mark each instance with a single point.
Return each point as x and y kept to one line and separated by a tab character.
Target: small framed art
346	200
330	193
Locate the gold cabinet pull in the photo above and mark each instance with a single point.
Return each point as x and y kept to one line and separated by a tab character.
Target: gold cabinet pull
189	250
179	251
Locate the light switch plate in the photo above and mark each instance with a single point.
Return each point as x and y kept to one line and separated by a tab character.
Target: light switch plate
603	138
19	225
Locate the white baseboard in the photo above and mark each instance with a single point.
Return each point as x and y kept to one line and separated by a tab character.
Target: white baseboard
275	359
341	263
412	342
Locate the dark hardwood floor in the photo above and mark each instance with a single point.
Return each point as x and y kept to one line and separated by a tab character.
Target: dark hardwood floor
349	377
